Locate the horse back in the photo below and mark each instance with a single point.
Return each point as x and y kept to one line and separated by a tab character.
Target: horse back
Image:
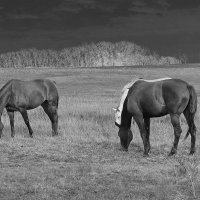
158	98
175	90
31	94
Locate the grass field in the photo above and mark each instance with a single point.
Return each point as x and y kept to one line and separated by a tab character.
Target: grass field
85	161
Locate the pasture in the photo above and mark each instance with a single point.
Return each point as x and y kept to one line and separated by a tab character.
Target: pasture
85	161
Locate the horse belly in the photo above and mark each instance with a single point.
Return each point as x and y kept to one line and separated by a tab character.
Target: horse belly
35	101
155	110
29	102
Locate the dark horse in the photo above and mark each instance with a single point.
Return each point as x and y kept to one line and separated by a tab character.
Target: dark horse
17	95
144	99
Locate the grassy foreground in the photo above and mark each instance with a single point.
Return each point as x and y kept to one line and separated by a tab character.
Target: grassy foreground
85	161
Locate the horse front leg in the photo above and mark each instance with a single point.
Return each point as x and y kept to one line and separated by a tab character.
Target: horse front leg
192	129
147	127
193	138
50	108
11	117
144	133
26	120
1	127
175	120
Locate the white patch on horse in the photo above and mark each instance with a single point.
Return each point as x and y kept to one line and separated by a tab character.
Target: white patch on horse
119	110
156	80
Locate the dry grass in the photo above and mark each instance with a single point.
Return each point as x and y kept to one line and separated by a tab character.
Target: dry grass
85	161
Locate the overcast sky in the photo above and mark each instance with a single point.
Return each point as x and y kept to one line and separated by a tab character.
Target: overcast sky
169	27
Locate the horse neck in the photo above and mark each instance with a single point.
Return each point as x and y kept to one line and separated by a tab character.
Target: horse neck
4	96
126	116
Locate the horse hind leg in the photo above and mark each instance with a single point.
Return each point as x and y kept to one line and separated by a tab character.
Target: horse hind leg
50	108
147	126
192	128
11	117
175	120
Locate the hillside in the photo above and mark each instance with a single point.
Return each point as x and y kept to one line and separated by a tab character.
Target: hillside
88	55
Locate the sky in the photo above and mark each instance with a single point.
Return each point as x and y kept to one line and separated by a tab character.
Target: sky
168	27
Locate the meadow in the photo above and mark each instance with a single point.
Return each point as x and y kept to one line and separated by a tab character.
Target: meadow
85	160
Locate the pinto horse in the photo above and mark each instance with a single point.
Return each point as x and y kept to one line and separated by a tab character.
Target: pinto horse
17	95
144	99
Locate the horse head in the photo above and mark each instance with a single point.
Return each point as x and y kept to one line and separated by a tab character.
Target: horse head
123	123
126	137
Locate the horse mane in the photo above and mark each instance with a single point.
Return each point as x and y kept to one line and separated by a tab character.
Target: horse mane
125	92
130	84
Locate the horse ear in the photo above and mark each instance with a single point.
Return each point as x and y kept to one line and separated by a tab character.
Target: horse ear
115	109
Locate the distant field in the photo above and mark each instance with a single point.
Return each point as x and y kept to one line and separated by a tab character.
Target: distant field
85	161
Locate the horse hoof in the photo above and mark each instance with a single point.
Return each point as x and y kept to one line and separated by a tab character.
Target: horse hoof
171	154
173	151
191	153
54	134
123	149
145	155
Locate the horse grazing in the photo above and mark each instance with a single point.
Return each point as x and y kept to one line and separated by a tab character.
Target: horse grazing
144	99
17	95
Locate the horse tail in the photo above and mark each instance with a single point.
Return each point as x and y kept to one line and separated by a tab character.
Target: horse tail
57	100
193	99
190	110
